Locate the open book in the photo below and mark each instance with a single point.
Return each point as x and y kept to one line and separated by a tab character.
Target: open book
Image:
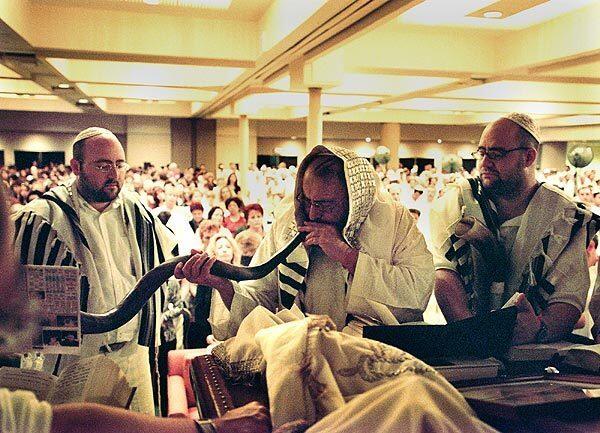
96	380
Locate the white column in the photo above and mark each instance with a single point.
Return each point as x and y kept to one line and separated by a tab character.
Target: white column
244	140
314	121
390	137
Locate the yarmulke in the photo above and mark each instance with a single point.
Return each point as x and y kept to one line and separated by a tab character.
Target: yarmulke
527	123
93	131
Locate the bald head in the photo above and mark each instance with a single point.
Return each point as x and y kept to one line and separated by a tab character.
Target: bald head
92	132
99	164
508	167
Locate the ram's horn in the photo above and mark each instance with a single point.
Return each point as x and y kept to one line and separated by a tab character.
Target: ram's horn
97	323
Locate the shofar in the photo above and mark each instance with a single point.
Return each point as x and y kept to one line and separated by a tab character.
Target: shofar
134	301
483	240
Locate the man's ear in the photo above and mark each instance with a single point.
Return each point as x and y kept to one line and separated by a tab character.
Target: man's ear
75	166
531	157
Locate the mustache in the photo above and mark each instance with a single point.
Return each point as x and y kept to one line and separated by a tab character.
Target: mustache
111	182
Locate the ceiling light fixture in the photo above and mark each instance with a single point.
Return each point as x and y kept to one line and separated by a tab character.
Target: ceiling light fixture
439	140
83	101
293	137
152	2
64	86
492	14
368	139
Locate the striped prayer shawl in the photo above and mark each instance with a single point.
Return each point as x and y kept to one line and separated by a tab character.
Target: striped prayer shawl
38	243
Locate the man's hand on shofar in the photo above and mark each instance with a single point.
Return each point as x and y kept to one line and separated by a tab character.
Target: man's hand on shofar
197	270
527	325
251	418
327	237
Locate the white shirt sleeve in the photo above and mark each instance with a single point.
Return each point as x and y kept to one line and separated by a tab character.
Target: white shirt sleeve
22	412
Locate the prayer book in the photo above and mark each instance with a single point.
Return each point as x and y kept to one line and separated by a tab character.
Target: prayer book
455	370
95	380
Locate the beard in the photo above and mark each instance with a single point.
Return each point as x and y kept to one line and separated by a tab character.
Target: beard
505	188
103	194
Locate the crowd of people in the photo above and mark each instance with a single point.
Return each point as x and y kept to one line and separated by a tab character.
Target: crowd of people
503	235
175	194
209	211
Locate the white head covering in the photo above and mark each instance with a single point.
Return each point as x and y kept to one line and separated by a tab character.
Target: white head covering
93	131
527	123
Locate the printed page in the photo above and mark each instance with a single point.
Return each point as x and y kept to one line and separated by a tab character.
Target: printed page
56	290
73	381
38	382
107	384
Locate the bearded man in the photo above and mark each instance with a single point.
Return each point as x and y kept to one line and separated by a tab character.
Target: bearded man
505	237
106	232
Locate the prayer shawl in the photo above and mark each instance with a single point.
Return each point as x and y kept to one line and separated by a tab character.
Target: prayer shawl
341	383
394	274
47	232
551	225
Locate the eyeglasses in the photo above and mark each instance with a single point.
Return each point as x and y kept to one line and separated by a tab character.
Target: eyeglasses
105	167
320	205
494	153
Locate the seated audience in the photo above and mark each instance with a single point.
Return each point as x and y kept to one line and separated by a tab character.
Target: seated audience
235	220
254	218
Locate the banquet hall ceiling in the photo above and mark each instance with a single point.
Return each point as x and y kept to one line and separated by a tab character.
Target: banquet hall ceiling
407	61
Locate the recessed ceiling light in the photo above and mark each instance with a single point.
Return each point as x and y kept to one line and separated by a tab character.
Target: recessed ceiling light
368	139
64	86
152	2
439	140
492	14
83	101
293	137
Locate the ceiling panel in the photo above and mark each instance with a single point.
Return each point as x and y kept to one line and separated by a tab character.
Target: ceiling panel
21	86
145	92
571	121
472	105
8	73
291	99
454	13
151	74
144	108
591	69
530	91
369	84
35	104
250	10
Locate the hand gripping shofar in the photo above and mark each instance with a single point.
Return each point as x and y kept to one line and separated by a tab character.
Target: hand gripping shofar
134	301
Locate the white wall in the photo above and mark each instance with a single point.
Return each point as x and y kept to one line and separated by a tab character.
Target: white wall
50	132
228	142
36	142
148	140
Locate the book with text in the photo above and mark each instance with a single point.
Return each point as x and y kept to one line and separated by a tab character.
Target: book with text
95	380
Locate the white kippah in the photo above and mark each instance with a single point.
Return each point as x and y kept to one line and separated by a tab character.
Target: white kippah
527	123
93	131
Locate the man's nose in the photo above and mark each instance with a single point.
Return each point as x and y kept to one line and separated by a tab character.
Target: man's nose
486	161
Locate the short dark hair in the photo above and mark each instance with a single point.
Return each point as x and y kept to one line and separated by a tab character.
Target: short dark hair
78	148
253	207
415	211
213	210
237	201
196	205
